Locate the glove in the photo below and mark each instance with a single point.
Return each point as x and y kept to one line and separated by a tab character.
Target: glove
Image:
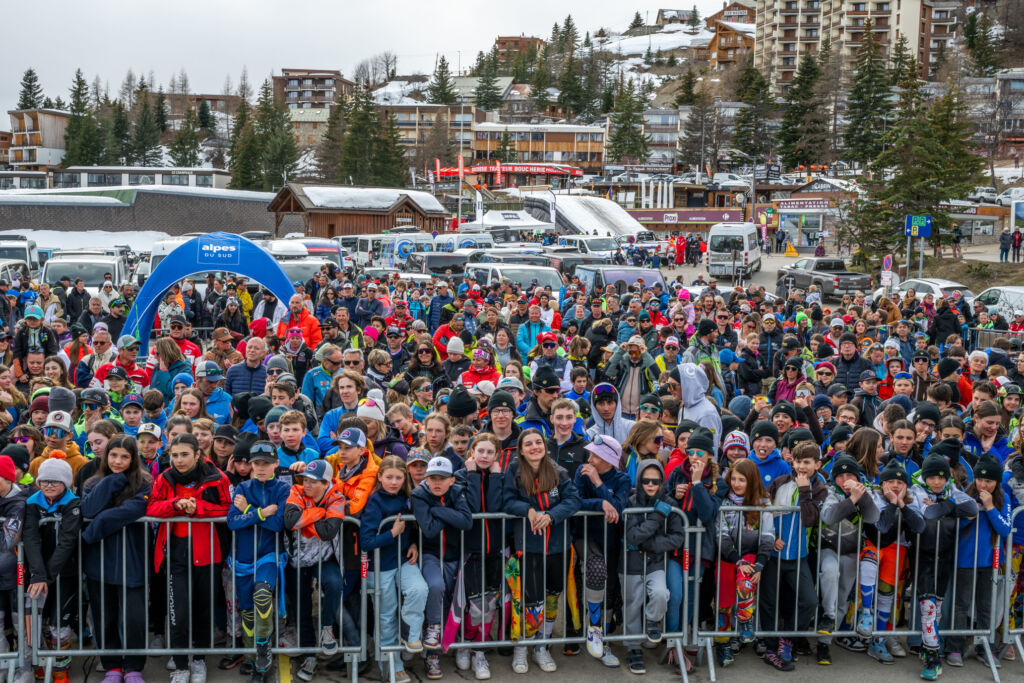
1017	467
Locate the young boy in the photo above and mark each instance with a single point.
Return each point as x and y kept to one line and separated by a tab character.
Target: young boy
764	439
441	511
944	506
131	413
292	454
903	383
566	446
400	417
153	408
416	463
866	397
789	568
847	504
119	386
579	378
459	440
257	518
149	439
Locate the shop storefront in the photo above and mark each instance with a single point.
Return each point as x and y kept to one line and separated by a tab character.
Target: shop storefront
807	222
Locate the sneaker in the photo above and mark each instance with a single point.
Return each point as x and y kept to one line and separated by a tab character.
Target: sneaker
542	658
653	634
462	657
402	677
481	669
879	652
932	665
432	637
257	677
895	647
131	677
288	637
433	666
230	661
328	643
735	645
608	659
520	665
308	669
177	676
636	661
569	649
955	659
263	660
595	642
760	647
865	624
773	659
826	625
170	664
114	676
198	667
413	647
851	643
824	654
746	629
724	654
979	654
785	649
156	641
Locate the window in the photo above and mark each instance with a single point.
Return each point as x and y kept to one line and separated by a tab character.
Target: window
104	179
33	183
581	137
293	82
315	125
174	179
309	139
296	124
537	137
67	179
6	183
204	180
329	82
141	179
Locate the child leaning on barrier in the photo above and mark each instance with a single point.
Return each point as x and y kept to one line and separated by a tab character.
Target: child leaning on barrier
943	506
12	513
745	542
257	518
441	511
789	568
650	537
980	553
1013	490
191	487
849	505
398	569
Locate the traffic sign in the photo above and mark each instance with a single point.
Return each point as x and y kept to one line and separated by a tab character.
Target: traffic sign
887	263
886	278
434	234
918	226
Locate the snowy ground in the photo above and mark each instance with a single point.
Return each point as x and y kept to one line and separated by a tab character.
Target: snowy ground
59	239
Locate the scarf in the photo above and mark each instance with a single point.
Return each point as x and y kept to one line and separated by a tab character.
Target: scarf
187	479
345	473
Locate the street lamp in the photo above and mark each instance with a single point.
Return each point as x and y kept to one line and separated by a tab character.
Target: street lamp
753	173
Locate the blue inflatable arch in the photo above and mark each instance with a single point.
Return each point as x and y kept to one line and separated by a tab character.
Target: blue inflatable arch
216	251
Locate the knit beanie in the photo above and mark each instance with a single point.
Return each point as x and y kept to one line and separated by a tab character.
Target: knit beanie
55	469
274	415
786	408
988	467
764	428
795	436
730	423
946	367
948	449
935	465
845	464
701	440
62	399
278	363
842	432
18	454
894	470
460	403
500	399
736	439
927	411
456	346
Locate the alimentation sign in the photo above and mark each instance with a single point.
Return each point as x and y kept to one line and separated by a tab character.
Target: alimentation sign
218	252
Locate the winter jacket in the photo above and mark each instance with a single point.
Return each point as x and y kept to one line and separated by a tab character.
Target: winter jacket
51	549
848	371
570	454
795	527
942	518
736	539
440	519
484	491
356	485
650	535
12	511
772	467
533	418
163	379
618	427
614	488
618	371
212	500
840	518
306	322
72	456
42	337
700	504
318	522
749	374
895	524
434	314
1013	491
89	364
695	404
256	536
114	549
241	378
379	507
78	301
561	503
526	336
1001	447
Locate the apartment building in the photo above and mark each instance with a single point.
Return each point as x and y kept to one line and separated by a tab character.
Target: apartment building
309	125
740	11
415	120
937	31
662	127
730	45
581	146
37	142
510	47
311	88
1010	89
788	29
122	176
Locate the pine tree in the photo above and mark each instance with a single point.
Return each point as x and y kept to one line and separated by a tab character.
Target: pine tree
331	147
627	140
570	38
146	138
488	96
205	116
803	131
48	103
60	104
246	173
83	144
570	85
752	132
31	94
940	63
118	145
279	154
831	93
539	86
984	53
638	22
555	41
360	137
184	151
442	87
704	134
900	61
242	116
160	110
687	93
694	20
950	124
506	151
672	62
868	106
387	166
608	97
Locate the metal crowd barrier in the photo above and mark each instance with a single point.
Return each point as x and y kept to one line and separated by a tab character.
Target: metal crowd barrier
15	652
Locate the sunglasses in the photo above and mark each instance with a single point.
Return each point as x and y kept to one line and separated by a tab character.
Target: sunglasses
644	481
177	326
423	351
55	432
275	371
722	317
22	439
650	409
551	390
826	373
91	406
262	448
549	345
658	439
352	363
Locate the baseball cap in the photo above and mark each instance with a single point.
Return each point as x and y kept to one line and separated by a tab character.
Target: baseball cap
507	383
126	341
417	455
132	400
151	429
319	470
34	312
329	322
352	437
868	376
117	372
219	334
263	450
60	419
439	466
209	370
837	390
226	432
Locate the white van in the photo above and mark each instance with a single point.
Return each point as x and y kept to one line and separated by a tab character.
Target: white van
603	247
449	242
733	248
396	247
20	248
367	249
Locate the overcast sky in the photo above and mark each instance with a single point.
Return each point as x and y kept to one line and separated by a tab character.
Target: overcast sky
213	38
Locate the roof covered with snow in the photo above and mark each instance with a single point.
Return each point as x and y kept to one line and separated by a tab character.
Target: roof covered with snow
538	127
206	192
399	92
739	27
670	37
310	115
503	219
145	169
348	198
7	198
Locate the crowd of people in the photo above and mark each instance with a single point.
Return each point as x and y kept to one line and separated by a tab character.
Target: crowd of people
888	434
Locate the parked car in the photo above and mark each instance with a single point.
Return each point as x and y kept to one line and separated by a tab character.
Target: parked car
829	274
928	285
1004	299
1010	195
983	194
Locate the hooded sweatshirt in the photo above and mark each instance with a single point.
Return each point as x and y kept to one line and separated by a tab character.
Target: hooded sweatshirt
772	467
695	404
650	535
618	427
